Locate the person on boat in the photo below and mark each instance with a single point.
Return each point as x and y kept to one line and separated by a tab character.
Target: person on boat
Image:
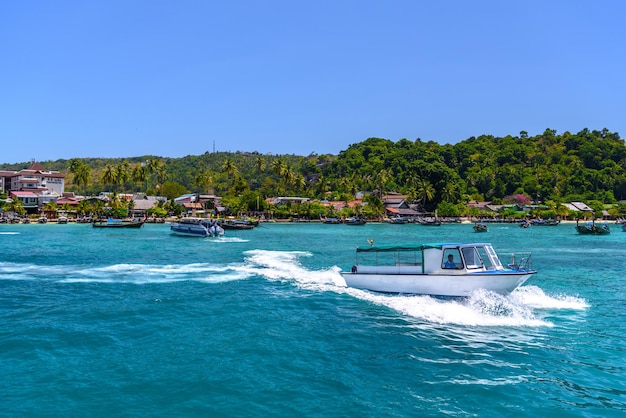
450	264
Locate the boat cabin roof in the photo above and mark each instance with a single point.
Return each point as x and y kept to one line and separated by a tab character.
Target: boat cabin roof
418	247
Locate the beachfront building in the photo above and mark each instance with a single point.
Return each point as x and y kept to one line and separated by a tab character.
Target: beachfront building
396	205
34	186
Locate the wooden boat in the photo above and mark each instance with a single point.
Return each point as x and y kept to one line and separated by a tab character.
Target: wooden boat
196	227
396	220
480	227
436	269
593	228
118	223
42	220
236	224
545	222
332	221
430	222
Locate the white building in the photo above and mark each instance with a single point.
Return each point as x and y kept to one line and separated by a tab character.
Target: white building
32	183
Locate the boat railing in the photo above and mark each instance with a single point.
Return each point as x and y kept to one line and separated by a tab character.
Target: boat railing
520	261
397	269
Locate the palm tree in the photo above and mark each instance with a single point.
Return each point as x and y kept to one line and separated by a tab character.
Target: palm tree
122	174
15	205
229	167
157	167
381	180
204	180
300	182
83	207
279	166
81	172
83	176
289	176
161	173
260	164
50	206
109	176
449	192
140	173
425	190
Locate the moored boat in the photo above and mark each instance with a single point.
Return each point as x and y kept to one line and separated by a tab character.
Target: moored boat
545	222
593	228
437	269
331	221
196	227
355	221
430	221
62	220
396	220
480	227
118	223
236	224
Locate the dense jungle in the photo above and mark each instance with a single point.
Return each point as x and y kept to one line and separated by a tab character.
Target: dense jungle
585	166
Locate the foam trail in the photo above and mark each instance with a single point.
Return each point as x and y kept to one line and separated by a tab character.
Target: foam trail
285	266
142	273
535	297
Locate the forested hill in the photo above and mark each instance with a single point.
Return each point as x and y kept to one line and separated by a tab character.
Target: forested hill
588	165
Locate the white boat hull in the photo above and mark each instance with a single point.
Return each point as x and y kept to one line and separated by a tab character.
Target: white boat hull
437	284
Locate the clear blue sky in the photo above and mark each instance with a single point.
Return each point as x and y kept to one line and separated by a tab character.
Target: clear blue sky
171	78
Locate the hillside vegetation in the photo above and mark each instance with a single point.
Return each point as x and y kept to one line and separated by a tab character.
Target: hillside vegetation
586	166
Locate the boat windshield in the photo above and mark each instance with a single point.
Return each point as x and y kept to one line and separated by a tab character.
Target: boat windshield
490	258
471	257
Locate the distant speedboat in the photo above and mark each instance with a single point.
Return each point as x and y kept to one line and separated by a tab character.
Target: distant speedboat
545	222
196	227
237	224
117	223
355	221
436	269
332	221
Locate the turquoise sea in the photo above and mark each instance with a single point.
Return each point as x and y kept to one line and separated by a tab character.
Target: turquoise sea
135	323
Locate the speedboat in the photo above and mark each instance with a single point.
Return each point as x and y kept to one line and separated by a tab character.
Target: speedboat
237	224
355	221
454	270
118	223
196	227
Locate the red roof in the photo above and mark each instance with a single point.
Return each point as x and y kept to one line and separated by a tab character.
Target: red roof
66	201
24	194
